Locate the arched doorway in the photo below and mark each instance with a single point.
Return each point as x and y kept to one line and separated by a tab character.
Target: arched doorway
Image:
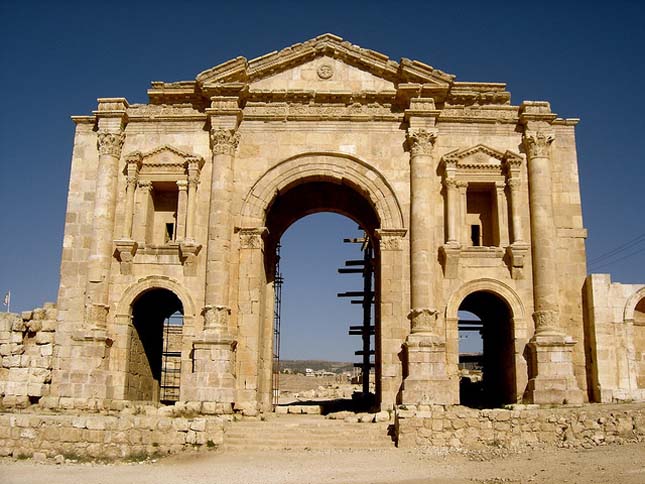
312	197
154	347
488	373
305	184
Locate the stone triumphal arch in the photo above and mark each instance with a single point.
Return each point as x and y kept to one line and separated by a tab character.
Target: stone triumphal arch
472	203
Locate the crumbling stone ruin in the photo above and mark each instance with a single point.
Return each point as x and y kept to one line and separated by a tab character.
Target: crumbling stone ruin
175	208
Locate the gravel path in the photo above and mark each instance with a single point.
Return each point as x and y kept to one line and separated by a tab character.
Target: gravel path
623	464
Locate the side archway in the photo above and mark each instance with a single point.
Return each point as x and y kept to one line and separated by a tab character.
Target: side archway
497	373
153	323
634	319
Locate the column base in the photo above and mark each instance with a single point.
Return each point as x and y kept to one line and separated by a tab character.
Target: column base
212	379
84	372
427	381
552	364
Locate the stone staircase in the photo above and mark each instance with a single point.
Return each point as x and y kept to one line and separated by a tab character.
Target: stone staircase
301	432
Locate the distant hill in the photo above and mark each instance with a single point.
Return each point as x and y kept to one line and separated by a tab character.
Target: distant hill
299	366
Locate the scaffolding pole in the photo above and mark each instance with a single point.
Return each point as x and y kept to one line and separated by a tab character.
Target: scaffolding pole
277	303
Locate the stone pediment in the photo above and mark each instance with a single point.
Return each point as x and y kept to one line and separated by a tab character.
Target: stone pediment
326	61
481	157
165	160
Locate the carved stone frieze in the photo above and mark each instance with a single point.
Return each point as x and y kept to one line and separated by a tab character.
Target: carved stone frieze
224	141
421	141
537	143
110	142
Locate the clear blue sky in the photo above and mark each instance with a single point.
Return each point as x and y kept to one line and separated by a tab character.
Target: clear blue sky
56	58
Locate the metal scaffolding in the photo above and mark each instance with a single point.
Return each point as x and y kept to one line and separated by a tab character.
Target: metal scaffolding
366	330
278	280
171	359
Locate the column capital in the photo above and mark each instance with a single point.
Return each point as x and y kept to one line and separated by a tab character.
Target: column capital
224	141
182	185
391	239
537	143
451	182
145	185
110	142
252	237
420	141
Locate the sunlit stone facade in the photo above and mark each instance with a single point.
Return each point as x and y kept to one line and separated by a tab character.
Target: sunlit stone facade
472	203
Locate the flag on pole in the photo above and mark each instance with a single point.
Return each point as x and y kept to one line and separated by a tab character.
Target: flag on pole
7	300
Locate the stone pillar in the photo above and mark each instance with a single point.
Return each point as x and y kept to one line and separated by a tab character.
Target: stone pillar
393	325
88	376
427	380
214	349
255	342
193	181
514	184
452	202
502	214
464	230
182	207
111	118
552	378
142	227
126	247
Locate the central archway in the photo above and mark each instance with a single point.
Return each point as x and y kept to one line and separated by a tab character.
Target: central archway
300	186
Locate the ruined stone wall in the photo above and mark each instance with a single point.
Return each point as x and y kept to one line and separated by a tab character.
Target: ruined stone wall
91	437
26	349
522	426
615	342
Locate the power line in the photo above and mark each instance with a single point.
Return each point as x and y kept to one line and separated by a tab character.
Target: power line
619	259
617	250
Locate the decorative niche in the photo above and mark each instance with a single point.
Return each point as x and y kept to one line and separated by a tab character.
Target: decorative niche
159	213
481	187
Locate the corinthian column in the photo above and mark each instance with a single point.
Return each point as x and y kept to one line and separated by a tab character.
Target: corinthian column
110	139
213	378
220	228
552	379
426	381
421	142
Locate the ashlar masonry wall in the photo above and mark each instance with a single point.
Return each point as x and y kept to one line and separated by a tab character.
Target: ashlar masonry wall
26	351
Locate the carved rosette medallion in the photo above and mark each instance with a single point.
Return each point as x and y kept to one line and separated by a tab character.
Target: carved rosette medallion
537	144
545	321
421	141
391	239
252	238
422	319
216	318
110	142
224	141
325	71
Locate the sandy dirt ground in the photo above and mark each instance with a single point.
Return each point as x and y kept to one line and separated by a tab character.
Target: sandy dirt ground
623	464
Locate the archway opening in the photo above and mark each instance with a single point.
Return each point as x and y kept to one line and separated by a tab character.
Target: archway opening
319	225
639	342
154	347
486	352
